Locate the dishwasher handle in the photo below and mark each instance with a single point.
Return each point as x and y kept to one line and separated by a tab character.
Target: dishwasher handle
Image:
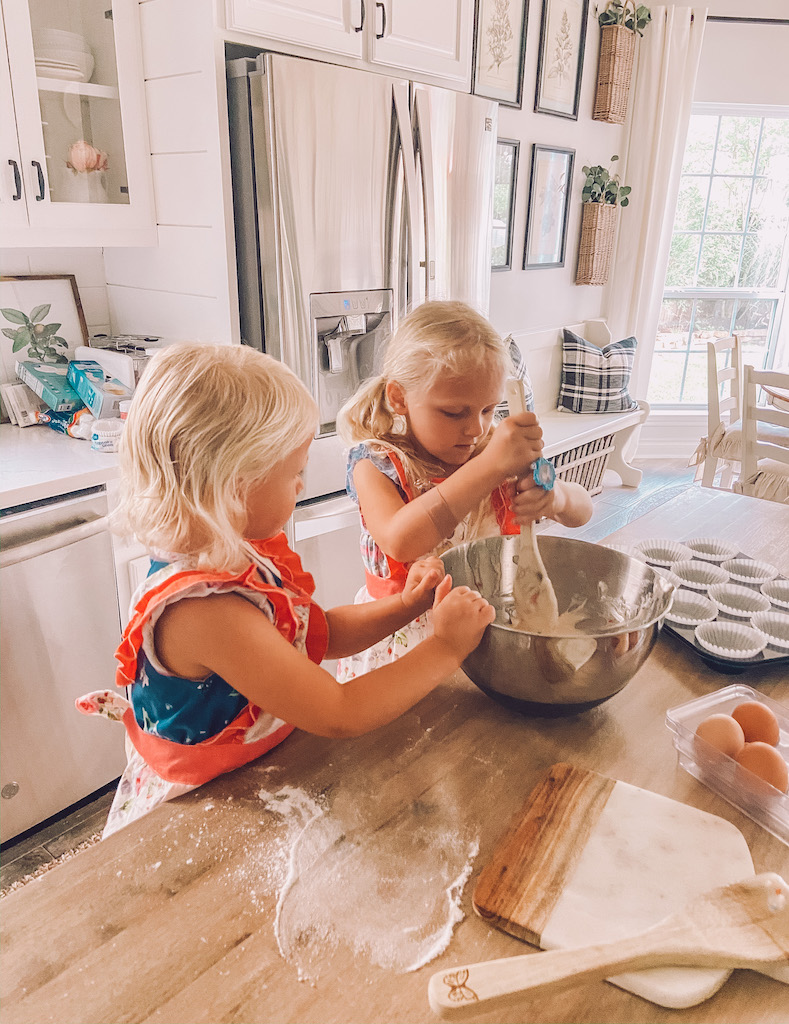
60	539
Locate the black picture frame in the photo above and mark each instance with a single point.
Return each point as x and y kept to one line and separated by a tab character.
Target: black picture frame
499	52
550	182
561	54
504	185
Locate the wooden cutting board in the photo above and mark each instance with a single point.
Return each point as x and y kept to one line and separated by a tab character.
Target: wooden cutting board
589	859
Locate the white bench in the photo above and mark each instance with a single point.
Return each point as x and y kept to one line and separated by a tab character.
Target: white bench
581	445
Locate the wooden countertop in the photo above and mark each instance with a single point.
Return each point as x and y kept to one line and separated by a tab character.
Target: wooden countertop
172	919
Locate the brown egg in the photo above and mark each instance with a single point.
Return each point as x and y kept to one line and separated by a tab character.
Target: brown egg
758	722
766	762
723	733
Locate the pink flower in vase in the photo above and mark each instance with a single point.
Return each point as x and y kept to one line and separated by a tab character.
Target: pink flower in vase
84	158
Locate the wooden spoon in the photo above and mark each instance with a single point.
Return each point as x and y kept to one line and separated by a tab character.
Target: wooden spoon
535	609
741	925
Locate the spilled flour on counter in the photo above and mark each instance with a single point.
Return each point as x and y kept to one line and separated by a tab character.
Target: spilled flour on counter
385	884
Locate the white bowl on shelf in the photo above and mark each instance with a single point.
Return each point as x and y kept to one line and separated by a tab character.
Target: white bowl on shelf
59	38
49	63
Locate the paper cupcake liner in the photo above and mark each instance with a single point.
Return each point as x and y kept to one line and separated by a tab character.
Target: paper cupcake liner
711	549
667	574
737	600
777	591
774	626
663	552
628	549
730	639
690	608
699	575
748	570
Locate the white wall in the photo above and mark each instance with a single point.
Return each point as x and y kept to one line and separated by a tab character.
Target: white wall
530	299
183	288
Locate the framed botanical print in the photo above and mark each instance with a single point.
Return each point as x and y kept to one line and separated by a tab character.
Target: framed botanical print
504	203
546	224
499	50
42	320
561	57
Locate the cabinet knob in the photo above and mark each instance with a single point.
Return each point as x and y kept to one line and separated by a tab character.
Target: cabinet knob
17	180
360	26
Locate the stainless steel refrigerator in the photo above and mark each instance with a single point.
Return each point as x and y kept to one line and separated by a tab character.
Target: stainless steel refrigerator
356	197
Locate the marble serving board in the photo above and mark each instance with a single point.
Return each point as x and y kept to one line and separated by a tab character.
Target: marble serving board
590	859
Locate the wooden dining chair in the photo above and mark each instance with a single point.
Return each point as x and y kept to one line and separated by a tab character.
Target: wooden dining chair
724	372
764	466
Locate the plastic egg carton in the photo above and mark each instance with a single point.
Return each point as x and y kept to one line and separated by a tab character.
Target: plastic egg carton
760	801
730	609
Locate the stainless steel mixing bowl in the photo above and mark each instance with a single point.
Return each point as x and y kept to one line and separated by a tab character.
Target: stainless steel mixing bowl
621	604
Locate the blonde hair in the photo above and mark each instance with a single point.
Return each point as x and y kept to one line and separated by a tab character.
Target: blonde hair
205	423
437	339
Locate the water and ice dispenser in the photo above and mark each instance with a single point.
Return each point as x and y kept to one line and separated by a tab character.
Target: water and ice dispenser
349	333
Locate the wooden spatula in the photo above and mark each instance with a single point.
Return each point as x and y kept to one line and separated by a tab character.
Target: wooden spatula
741	925
535	609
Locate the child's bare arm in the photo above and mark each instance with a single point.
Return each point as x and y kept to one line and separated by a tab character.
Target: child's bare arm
566	503
228	635
355	627
406	530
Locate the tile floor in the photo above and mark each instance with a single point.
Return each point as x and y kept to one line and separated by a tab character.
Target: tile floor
615	506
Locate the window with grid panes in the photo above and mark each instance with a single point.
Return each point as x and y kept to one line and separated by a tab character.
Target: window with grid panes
727	269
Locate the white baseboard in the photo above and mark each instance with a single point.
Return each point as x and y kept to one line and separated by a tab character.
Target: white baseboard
671	434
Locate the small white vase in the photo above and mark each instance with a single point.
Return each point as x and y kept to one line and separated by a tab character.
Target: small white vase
83	187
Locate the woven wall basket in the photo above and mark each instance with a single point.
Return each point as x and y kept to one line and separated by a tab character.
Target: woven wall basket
614	70
598	235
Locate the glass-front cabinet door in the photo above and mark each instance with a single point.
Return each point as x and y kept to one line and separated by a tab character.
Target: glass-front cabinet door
78	104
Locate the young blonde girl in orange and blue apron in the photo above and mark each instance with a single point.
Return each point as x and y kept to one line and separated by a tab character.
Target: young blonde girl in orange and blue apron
221	655
426	467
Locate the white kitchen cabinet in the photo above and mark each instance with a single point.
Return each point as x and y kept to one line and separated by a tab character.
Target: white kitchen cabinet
403	36
335	26
432	38
71	72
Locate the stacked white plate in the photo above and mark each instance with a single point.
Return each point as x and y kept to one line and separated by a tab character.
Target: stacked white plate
61	54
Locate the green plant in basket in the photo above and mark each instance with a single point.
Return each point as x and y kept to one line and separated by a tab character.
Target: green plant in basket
625	12
41	340
600	186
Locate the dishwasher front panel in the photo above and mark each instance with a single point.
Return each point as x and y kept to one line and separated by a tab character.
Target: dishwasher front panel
325	535
59	628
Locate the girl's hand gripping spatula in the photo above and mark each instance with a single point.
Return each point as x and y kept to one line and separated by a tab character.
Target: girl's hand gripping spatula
741	925
535	601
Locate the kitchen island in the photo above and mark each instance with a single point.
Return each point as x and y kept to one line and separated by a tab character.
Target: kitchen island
179	917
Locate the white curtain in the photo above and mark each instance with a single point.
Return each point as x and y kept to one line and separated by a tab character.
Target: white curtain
663	84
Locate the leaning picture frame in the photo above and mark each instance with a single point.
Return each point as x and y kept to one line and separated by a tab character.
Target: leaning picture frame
500	50
546	223
42	320
561	57
504	183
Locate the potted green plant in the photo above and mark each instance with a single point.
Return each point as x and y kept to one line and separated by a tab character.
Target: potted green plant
621	22
602	195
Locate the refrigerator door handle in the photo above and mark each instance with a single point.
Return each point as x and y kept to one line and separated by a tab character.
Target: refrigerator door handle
400	97
428	198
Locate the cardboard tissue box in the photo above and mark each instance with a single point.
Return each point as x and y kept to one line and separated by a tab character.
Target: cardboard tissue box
50	381
101	392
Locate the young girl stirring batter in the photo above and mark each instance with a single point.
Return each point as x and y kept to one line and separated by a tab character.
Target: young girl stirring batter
425	466
224	642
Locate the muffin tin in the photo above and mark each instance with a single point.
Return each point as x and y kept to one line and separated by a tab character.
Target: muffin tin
763	803
744	576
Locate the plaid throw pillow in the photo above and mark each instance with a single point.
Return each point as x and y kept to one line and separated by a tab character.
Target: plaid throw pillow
596	379
519	370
